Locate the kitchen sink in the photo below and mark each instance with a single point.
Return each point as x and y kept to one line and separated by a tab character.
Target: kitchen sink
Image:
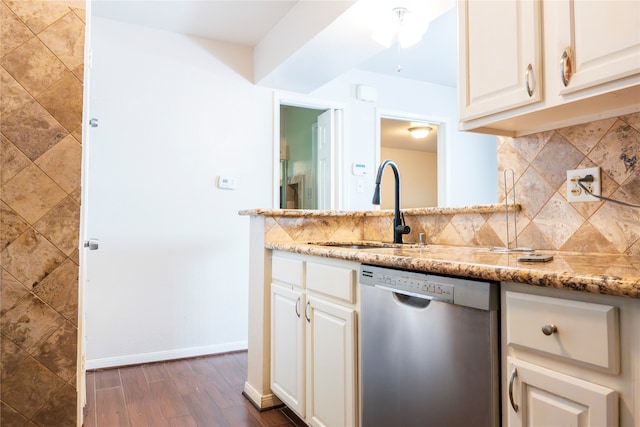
353	246
368	245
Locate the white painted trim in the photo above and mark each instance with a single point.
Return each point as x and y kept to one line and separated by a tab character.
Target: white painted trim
262	401
443	195
181	353
81	379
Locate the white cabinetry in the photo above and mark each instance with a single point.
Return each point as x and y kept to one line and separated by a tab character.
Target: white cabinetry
287	346
550	398
569	358
602	41
501	64
533	65
313	338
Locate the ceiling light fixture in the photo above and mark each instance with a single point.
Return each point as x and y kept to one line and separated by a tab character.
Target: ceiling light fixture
419	132
399	23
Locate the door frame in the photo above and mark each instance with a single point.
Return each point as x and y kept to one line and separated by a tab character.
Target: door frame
441	142
81	381
340	113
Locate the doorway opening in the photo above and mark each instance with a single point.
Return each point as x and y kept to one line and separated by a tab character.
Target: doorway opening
308	138
417	158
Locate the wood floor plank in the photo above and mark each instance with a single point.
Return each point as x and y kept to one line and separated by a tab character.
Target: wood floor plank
271	418
111	409
204	411
170	402
186	421
134	384
107	378
185	380
228	368
240	416
90	408
222	392
146	413
199	392
155	372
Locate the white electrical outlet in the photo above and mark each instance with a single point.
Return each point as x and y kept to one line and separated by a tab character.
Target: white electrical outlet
577	194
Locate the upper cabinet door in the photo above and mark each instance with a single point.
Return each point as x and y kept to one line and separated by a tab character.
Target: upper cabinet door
602	40
499	56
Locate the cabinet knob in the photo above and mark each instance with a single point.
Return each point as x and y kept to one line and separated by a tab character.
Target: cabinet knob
549	329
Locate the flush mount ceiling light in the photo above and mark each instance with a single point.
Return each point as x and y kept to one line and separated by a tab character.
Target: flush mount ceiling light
419	132
401	25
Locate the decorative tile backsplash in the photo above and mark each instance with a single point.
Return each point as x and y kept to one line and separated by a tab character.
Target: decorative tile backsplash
540	162
41	70
546	220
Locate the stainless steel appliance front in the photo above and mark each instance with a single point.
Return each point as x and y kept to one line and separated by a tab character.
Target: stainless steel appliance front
430	350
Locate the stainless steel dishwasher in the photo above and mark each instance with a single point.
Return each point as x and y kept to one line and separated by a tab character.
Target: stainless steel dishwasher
430	350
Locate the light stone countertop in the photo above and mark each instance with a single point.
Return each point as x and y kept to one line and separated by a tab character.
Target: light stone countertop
607	274
492	208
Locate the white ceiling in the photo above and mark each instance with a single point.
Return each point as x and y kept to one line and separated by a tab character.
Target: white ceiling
241	22
247	23
394	133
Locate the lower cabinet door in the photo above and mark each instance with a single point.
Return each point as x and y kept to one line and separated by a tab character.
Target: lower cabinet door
287	346
331	364
540	397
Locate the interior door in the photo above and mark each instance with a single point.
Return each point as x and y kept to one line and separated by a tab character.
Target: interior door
325	161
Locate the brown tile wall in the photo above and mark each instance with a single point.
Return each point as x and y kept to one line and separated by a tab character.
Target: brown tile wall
41	66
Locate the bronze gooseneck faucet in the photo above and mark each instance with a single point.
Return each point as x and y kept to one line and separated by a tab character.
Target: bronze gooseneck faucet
399	228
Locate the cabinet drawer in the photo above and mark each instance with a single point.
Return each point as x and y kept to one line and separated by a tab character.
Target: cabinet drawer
338	282
586	332
287	270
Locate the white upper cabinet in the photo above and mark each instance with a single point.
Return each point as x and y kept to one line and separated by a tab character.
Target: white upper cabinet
500	61
601	39
532	65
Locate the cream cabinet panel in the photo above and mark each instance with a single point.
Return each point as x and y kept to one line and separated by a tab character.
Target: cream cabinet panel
331	361
287	270
333	281
499	56
541	397
602	39
575	330
287	346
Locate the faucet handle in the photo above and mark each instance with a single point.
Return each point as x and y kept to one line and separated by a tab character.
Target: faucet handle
403	229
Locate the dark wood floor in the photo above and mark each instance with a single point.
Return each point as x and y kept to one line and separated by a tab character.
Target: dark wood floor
200	392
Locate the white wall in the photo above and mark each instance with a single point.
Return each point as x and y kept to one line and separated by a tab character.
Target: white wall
469	160
170	278
418	175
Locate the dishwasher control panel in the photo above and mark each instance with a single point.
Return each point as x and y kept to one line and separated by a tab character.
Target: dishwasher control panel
474	293
406	282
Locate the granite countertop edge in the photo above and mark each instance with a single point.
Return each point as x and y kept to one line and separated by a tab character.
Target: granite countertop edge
491	208
506	268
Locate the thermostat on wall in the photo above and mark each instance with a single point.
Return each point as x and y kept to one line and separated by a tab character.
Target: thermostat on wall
227	183
359	169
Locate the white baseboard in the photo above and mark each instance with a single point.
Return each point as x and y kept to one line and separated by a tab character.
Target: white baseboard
158	356
261	401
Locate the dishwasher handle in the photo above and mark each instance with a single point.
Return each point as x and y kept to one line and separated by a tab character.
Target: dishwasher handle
408	298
